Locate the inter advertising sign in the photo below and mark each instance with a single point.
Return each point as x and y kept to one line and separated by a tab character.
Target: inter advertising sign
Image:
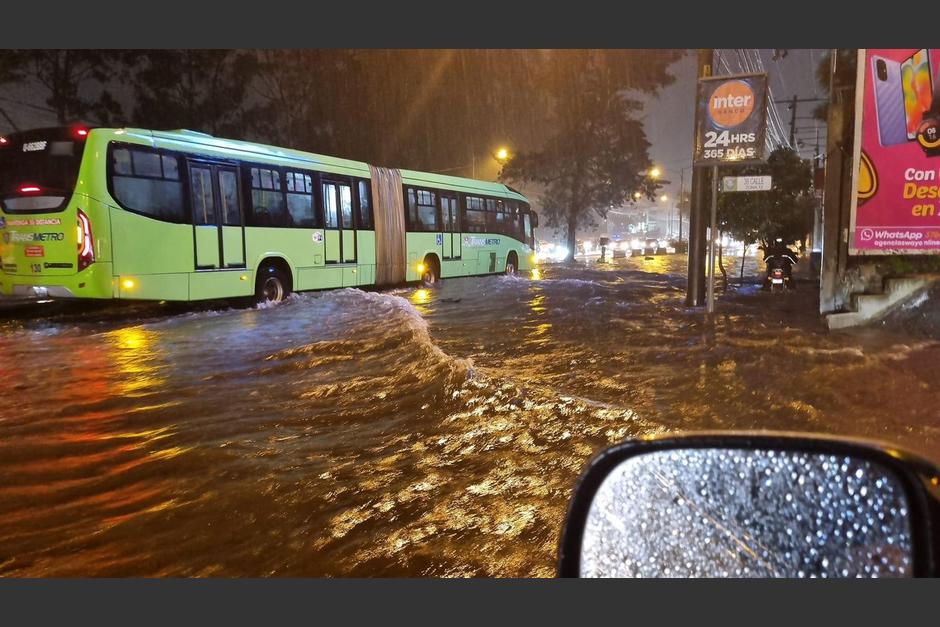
896	187
730	120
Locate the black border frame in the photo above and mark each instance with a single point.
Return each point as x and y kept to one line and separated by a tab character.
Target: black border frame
910	469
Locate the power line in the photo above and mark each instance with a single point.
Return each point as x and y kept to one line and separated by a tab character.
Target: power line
27	104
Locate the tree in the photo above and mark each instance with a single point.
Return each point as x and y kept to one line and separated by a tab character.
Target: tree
786	211
289	83
68	76
202	90
8	74
598	157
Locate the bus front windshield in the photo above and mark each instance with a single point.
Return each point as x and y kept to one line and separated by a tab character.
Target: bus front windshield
38	169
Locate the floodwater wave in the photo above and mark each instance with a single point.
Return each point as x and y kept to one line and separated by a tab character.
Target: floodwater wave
425	432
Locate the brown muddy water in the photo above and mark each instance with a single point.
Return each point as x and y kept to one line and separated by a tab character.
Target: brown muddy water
413	432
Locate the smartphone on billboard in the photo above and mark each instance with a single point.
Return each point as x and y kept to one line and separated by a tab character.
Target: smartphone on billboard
917	85
889	101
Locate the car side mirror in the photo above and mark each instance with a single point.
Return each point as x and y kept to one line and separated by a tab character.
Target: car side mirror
749	505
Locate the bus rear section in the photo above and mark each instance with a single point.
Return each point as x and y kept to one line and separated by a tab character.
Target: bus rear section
48	246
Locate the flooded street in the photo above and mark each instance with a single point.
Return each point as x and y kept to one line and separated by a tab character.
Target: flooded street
413	432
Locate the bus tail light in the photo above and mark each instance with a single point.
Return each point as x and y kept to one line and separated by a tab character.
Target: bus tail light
86	242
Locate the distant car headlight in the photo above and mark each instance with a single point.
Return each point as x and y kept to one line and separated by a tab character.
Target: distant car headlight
662	243
636	243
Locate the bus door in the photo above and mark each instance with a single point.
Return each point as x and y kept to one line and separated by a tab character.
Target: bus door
233	225
340	238
451	246
218	227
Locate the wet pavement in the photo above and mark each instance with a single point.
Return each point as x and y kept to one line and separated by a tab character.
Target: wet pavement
411	432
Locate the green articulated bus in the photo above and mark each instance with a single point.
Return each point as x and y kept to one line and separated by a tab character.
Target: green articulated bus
181	215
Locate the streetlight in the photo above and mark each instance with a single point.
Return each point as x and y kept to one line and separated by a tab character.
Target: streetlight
502	154
664	198
655	172
636	195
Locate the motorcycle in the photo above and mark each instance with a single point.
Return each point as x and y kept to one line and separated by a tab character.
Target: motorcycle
778	281
779	268
753	505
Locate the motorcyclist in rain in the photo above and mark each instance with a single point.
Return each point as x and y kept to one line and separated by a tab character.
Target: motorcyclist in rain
779	255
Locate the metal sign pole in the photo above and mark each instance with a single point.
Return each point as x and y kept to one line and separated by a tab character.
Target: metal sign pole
713	229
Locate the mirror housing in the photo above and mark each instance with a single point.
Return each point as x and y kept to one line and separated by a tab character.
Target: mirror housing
656	492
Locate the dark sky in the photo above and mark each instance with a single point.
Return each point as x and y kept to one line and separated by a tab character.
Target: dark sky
668	116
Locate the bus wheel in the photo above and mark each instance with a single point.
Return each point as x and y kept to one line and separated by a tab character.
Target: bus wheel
512	264
431	273
272	285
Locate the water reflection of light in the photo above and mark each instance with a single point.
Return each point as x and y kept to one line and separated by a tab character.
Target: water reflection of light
536	274
657	264
134	355
537	329
537	303
421	297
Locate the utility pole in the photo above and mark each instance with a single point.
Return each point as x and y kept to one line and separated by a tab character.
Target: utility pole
695	286
9	120
817	158
836	198
793	121
792	103
681	191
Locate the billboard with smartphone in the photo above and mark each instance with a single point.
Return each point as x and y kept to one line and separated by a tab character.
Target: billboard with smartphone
896	190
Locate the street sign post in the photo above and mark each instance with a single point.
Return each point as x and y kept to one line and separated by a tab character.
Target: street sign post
730	123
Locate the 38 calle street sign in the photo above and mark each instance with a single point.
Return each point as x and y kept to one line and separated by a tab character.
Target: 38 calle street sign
746	183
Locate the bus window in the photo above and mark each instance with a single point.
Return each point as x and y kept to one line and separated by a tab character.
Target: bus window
476	222
202	202
228	196
121	160
147	164
171	168
300	199
330	210
365	206
530	240
268	207
474	215
412	210
345	204
491	216
159	196
449	213
501	226
427	211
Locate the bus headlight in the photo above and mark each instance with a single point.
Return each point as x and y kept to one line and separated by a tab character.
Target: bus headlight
421	268
128	284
